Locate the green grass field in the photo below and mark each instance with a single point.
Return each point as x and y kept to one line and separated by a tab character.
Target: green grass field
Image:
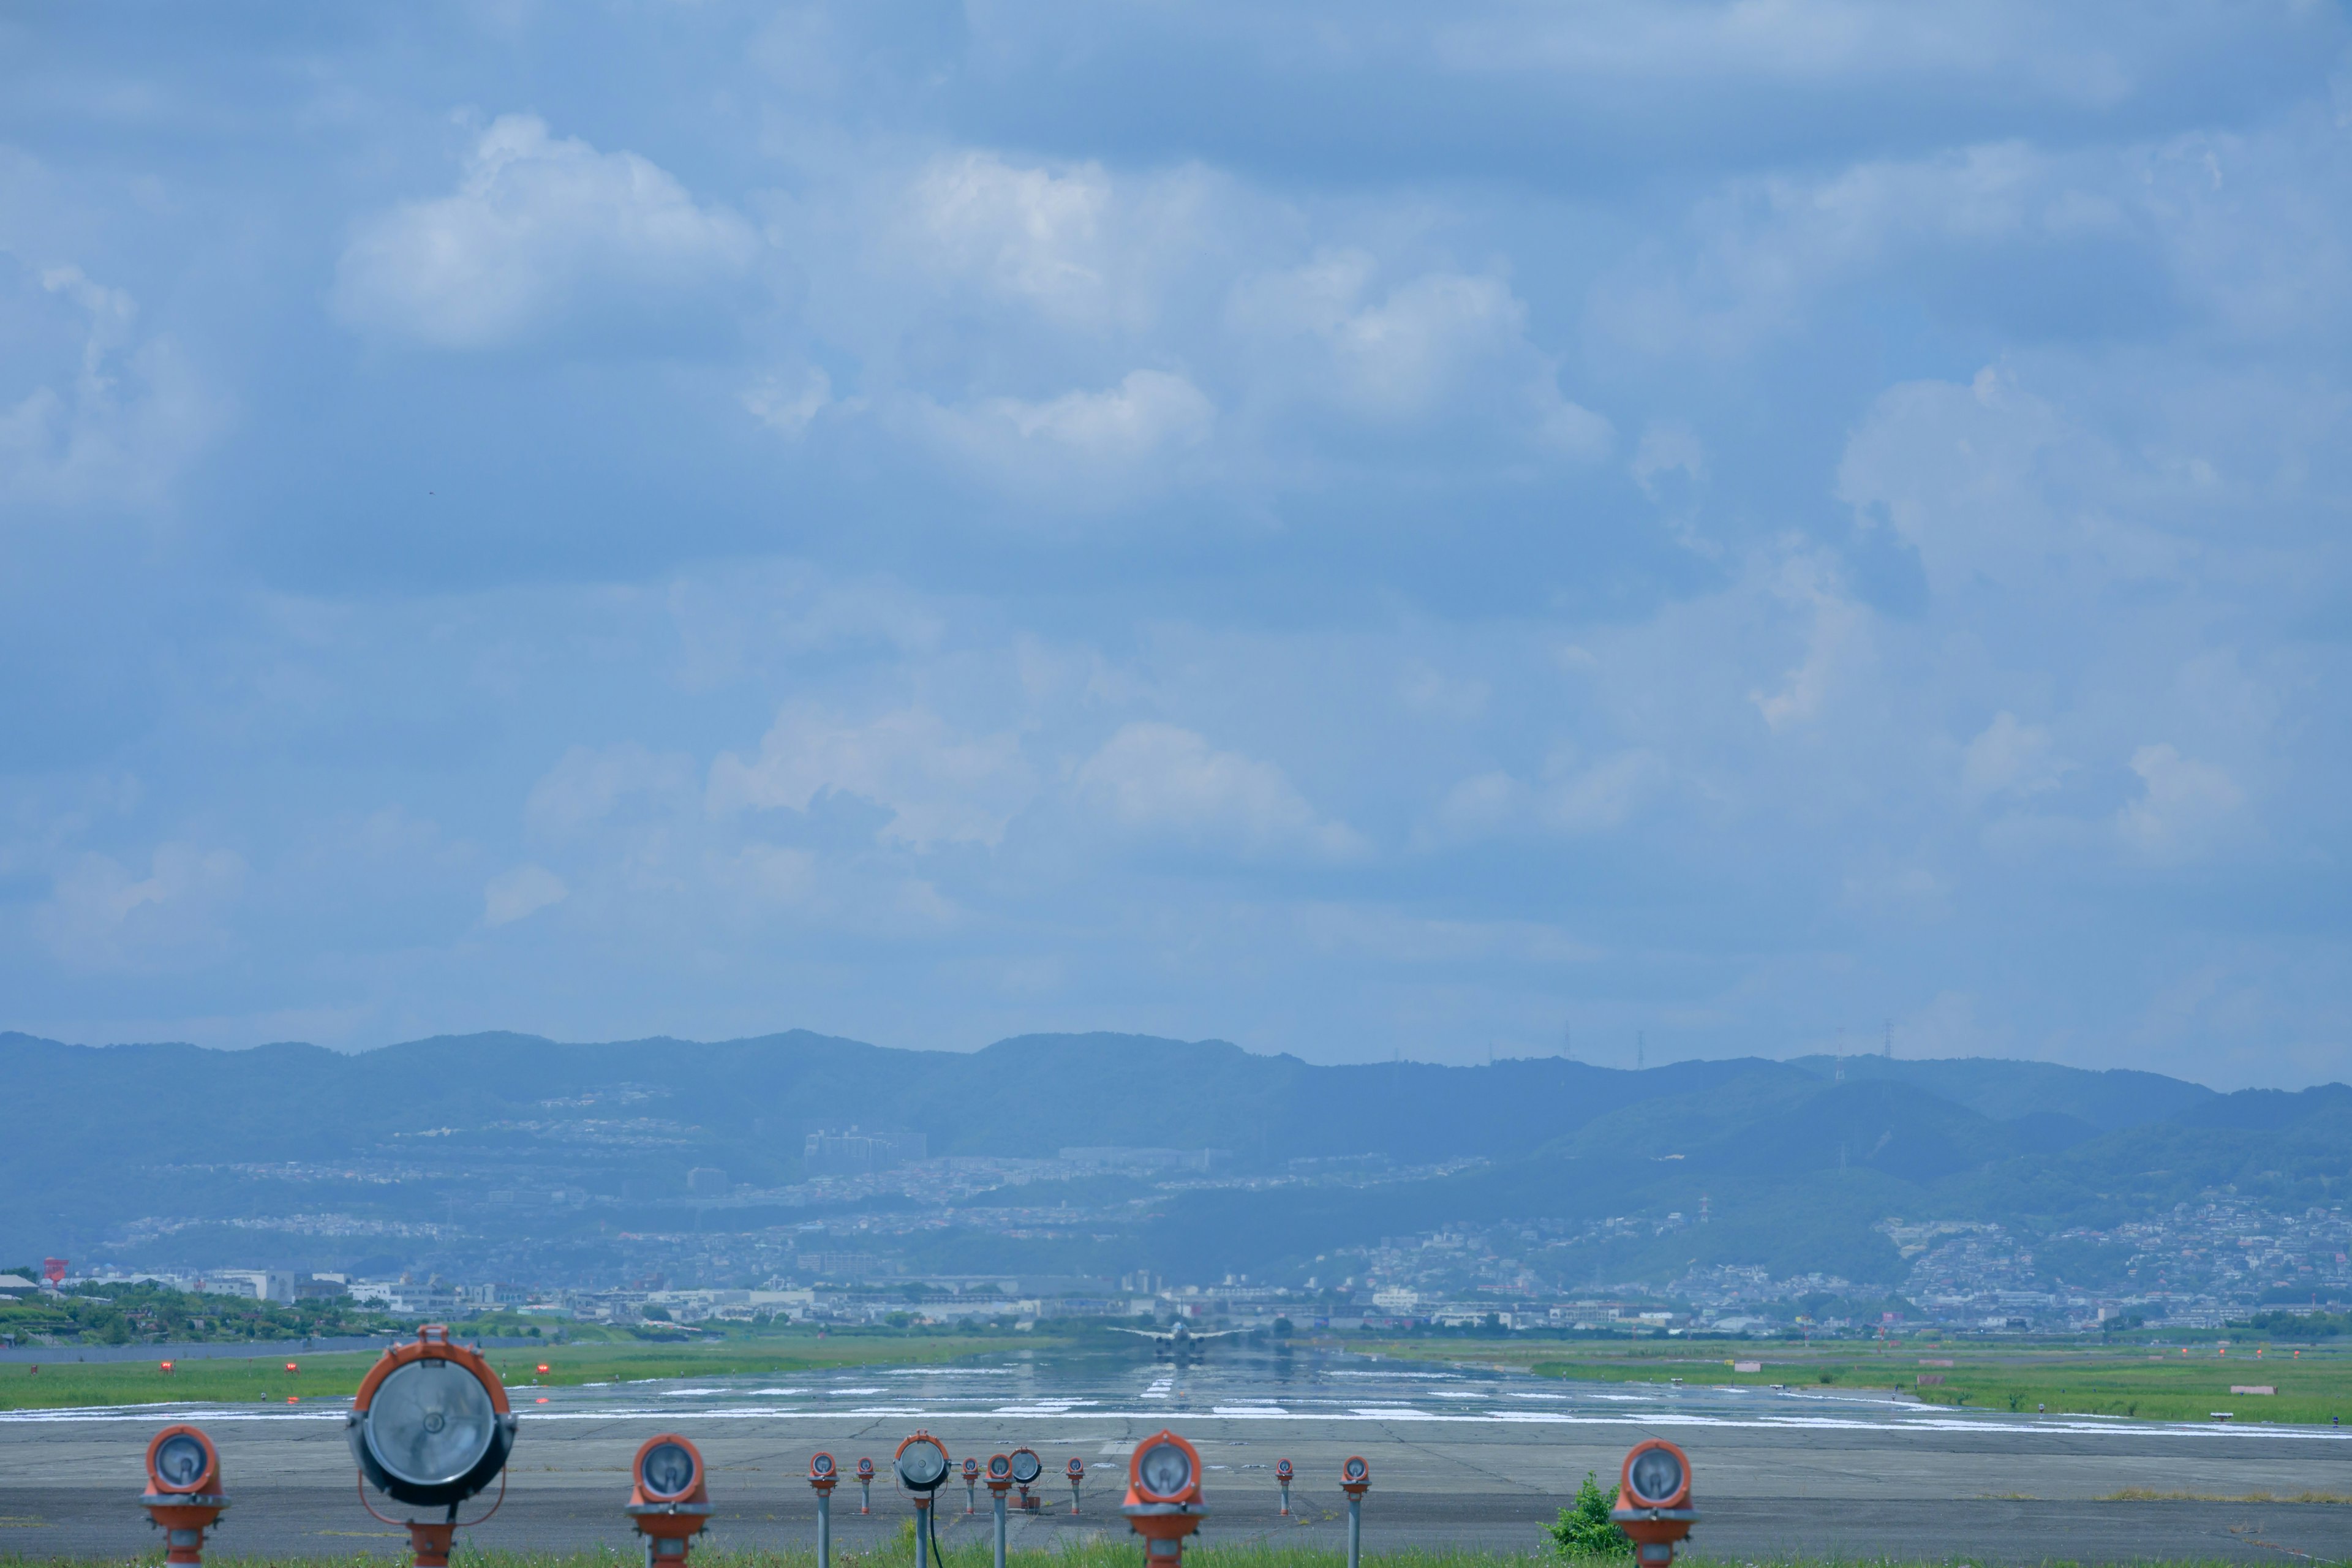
2315	1386
70	1383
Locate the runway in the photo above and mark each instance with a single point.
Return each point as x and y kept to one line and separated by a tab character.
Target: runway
1459	1456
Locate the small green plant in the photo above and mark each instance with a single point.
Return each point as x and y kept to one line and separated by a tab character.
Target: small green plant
1585	1528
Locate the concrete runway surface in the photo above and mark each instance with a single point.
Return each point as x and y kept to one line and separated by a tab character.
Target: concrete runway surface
1470	1457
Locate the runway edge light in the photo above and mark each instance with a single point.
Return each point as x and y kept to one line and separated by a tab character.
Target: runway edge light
1164	1496
1283	1476
1654	1501
430	1426
669	1502
1076	1472
183	1497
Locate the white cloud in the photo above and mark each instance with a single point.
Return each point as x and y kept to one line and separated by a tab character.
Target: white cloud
587	785
2008	757
1157	779
1991	484
2183	803
120	424
537	229
1082	448
102	915
524	891
941	786
1444	348
1031	232
1570	799
1837	637
789	404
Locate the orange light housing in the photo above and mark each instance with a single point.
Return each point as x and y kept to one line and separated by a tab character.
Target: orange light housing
1148	1474
1355	1475
183	1496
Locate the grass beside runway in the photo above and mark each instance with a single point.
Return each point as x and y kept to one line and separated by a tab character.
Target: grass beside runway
1107	1551
2141	1380
67	1383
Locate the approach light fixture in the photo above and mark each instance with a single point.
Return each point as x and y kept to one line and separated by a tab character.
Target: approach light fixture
1654	1501
669	1504
1283	1476
971	1485
1026	1467
1077	1472
865	1486
183	1497
922	1465
430	1426
1164	1496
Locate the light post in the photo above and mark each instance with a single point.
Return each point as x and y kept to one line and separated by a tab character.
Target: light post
823	1476
865	1486
970	1487
1283	1476
1355	1479
999	1481
1077	1470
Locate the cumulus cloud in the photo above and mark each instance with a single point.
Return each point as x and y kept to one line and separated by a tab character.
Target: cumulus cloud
102	915
114	425
523	891
1442	347
537	229
1082	446
2183	803
587	785
2009	757
939	785
1836	637
1157	779
1570	798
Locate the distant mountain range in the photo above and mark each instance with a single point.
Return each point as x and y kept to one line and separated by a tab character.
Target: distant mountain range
320	1157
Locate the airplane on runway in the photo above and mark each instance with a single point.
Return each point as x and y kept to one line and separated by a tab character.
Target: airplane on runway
1179	1342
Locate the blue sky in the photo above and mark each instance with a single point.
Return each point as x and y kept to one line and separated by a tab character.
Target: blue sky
1352	529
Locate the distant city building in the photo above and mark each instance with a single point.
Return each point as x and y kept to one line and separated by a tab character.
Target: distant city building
856	1154
1113	1158
706	1182
845	1265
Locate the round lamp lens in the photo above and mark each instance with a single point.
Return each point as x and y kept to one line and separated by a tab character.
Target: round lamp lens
923	1466
431	1423
1026	1467
180	1461
1355	1470
998	1464
822	1465
667	1470
1656	1476
1165	1469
